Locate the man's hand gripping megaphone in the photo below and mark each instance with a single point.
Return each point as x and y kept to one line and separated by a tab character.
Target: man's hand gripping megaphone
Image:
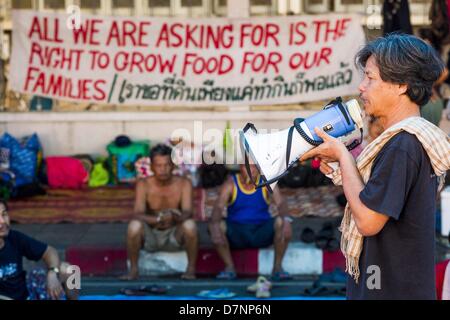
330	152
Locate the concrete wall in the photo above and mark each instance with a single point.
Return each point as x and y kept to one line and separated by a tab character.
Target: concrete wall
90	132
69	133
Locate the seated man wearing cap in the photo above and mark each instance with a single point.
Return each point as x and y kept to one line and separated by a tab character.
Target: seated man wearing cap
163	209
249	223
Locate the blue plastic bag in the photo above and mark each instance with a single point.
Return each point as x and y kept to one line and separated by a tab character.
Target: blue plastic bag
25	156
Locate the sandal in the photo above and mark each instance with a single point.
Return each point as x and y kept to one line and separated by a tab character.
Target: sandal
281	275
226	275
133	292
261	280
263	291
143	290
222	293
155	289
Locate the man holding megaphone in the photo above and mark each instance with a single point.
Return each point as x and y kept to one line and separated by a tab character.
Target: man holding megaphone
388	236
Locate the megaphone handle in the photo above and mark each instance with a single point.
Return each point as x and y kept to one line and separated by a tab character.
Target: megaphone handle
355	143
334	165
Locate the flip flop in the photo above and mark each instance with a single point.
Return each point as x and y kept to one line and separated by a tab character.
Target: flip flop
222	293
226	275
155	289
133	292
280	276
144	290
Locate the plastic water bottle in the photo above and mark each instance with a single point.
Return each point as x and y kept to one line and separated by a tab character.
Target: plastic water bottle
194	176
4	158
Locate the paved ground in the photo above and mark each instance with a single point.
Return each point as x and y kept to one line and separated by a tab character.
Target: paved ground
64	235
176	287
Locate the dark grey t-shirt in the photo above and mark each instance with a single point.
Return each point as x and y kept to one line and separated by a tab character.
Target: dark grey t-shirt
402	186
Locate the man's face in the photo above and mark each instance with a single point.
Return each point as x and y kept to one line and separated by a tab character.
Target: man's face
162	167
377	95
4	221
253	170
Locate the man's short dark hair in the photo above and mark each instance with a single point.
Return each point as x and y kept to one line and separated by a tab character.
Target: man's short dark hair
160	150
405	59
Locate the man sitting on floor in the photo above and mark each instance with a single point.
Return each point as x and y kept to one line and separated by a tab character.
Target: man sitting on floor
163	208
15	284
249	223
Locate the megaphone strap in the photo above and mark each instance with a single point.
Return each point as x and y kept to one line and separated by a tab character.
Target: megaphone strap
250	126
266	183
289	144
355	143
247	164
247	167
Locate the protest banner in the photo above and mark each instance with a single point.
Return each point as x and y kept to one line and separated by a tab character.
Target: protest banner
185	62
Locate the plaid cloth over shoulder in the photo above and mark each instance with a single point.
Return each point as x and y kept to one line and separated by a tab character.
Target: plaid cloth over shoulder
437	146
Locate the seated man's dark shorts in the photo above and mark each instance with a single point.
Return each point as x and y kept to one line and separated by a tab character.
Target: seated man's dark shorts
243	236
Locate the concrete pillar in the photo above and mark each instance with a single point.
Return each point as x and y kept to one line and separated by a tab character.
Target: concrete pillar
238	8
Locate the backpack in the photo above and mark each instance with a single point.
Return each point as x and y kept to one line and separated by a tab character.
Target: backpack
122	160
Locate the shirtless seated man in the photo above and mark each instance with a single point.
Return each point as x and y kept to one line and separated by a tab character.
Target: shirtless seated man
163	210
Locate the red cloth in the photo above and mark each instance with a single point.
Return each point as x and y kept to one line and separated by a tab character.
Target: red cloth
66	173
315	164
440	274
332	260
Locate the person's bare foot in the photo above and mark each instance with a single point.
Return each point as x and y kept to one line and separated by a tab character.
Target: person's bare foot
132	275
188	275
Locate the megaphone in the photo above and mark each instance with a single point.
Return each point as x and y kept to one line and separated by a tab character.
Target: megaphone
271	152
